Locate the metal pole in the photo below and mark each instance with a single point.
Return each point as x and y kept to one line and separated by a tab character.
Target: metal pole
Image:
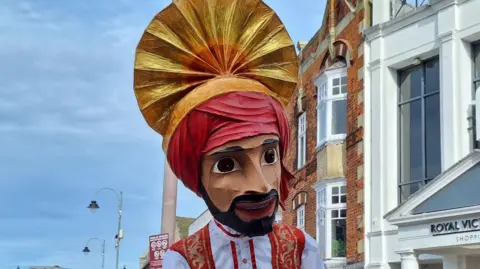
119	235
169	203
103	249
119	230
103	254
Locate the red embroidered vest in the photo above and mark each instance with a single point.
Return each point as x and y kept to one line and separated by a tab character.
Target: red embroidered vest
287	247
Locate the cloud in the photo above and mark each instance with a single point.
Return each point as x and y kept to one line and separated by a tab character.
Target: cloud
67	75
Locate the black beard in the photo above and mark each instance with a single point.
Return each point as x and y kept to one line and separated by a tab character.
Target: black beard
257	227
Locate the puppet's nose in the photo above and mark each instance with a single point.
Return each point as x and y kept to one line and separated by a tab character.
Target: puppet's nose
255	180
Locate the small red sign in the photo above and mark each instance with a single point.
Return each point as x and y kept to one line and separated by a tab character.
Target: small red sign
158	247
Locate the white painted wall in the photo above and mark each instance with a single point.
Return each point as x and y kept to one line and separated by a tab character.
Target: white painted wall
200	222
446	29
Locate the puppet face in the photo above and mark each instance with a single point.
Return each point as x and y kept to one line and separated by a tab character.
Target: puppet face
235	174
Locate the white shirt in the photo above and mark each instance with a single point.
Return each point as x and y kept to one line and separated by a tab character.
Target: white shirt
225	247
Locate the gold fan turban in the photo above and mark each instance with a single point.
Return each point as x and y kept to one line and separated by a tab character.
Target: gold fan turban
194	50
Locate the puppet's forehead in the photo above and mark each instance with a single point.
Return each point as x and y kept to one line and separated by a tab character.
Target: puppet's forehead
246	144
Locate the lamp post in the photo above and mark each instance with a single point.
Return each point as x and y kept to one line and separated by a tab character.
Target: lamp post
93	206
86	250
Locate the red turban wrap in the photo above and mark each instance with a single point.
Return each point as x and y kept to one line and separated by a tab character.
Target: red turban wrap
223	119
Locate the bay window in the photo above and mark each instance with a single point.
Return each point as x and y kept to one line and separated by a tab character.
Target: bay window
301	217
302	140
331	219
278	216
331	106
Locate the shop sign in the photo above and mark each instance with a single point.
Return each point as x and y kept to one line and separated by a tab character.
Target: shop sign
456	226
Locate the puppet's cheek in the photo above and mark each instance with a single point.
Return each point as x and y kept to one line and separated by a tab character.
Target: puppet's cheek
272	175
223	188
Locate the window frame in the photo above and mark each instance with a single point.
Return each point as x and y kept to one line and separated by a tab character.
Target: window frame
278	217
423	95
301	216
324	208
475	78
302	132
475	85
326	98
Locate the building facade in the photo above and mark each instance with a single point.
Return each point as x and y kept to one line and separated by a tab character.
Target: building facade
422	171
326	152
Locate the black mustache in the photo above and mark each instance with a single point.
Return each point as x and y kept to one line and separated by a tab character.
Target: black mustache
252	198
229	218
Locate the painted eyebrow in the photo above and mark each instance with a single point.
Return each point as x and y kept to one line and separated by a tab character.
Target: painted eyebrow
270	141
228	150
238	148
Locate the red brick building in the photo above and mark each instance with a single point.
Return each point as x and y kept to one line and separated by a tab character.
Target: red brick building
326	150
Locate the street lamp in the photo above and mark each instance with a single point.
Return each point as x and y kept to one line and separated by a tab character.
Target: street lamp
93	206
86	250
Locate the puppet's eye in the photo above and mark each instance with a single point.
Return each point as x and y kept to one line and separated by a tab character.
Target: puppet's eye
270	156
226	165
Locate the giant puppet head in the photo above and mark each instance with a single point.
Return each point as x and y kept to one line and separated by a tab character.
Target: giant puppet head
213	78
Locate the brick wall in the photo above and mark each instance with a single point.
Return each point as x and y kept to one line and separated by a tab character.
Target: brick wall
347	42
303	177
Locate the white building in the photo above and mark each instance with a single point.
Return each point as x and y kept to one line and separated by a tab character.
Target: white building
422	174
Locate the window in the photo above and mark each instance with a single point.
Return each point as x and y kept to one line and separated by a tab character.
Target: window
332	106
302	140
339	195
338	228
476	66
419	117
331	219
278	217
476	85
301	217
321	219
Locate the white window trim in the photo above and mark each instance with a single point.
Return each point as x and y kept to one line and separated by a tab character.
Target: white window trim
278	217
300	210
327	79
327	208
301	160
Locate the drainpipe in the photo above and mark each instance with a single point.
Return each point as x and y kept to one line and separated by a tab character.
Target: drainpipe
333	36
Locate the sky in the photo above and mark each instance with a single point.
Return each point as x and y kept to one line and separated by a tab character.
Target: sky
69	125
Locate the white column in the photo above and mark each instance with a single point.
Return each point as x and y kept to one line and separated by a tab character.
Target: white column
464	91
409	259
456	84
449	126
381	11
169	203
454	262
